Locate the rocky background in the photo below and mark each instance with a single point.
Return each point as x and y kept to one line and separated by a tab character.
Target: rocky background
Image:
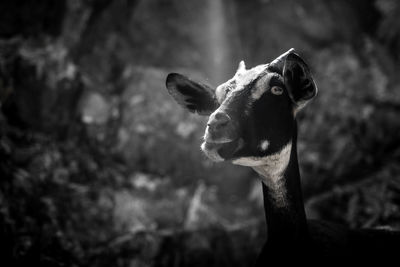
99	167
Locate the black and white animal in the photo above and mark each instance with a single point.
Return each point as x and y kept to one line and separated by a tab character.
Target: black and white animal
252	122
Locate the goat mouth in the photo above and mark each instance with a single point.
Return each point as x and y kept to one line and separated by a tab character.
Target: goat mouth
218	142
220	151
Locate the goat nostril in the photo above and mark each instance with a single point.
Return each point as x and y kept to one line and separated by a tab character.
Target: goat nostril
218	120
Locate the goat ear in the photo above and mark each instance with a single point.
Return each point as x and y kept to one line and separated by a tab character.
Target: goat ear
196	97
298	80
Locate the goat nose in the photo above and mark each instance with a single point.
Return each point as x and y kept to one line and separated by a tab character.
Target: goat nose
218	119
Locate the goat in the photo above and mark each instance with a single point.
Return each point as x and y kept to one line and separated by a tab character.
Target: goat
252	122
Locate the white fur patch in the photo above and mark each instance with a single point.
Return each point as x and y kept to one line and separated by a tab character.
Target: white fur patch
264	145
261	87
244	77
276	162
241	67
241	79
271	168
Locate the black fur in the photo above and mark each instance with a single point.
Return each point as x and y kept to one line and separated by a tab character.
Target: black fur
291	237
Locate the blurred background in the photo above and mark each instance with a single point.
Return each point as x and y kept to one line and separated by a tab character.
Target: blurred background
100	167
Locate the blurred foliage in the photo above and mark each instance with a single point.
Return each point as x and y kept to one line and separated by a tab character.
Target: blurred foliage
100	167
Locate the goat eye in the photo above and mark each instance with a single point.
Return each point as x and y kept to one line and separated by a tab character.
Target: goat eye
276	90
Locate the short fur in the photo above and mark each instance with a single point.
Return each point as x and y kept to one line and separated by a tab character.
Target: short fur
251	126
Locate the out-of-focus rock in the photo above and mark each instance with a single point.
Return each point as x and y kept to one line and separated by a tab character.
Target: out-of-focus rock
95	109
45	87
